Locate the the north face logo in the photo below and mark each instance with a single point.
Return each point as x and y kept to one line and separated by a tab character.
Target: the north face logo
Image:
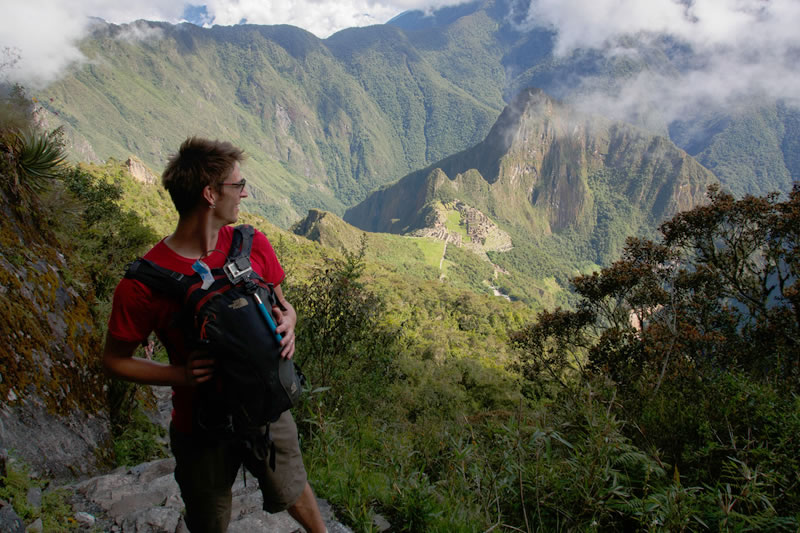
238	303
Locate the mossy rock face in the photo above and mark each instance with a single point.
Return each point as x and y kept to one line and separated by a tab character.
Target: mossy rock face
52	404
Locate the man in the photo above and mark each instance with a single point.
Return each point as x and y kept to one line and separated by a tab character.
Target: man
206	186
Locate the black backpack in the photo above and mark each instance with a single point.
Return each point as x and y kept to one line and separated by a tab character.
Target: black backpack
232	320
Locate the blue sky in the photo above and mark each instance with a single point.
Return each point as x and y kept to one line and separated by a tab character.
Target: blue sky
197	14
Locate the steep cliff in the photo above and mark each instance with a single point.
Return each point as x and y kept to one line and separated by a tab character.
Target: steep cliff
541	169
51	386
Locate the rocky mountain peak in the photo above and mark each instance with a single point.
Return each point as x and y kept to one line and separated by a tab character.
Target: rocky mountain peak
540	170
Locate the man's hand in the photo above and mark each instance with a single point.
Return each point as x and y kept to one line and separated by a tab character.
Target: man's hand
286	321
286	330
199	368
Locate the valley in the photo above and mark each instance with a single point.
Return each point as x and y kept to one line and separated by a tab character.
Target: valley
468	230
380	125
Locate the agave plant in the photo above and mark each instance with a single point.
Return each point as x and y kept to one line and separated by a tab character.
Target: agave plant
40	157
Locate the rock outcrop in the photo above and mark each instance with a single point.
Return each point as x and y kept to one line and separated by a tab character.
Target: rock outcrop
51	383
140	172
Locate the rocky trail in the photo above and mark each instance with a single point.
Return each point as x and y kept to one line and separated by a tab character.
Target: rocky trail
146	499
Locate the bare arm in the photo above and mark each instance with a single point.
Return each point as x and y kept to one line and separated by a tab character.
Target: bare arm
286	320
118	361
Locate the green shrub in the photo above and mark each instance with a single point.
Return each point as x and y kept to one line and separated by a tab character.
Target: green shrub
136	438
40	158
109	237
342	343
55	511
34	158
139	441
413	505
705	377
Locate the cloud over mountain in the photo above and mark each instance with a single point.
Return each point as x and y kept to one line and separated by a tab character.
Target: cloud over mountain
723	51
45	32
738	49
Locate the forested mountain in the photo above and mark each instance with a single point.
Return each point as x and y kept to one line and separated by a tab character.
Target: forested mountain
327	121
565	187
753	150
318	133
536	169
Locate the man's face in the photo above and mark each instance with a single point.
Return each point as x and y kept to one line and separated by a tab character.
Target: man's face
231	193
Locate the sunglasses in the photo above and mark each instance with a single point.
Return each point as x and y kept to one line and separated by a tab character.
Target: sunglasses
239	184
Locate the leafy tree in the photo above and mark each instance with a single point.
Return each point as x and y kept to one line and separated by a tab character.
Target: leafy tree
701	334
342	343
109	237
719	292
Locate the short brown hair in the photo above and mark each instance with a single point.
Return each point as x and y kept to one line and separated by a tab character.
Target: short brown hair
199	162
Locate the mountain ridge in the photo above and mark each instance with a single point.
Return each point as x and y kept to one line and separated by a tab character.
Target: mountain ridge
538	155
567	188
327	121
316	137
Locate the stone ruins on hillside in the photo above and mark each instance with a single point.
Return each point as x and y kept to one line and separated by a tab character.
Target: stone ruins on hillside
484	235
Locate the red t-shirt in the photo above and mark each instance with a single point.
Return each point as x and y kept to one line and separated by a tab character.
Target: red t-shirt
137	311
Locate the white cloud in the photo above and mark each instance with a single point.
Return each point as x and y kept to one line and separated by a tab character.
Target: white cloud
593	23
320	17
741	45
703	23
136	32
46	32
44	38
741	48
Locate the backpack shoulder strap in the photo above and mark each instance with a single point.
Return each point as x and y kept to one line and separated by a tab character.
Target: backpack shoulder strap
159	278
242	241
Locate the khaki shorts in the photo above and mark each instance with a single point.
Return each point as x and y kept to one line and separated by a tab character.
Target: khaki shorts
205	471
